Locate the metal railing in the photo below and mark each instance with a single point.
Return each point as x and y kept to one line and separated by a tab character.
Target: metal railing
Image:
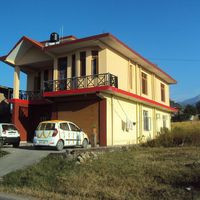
27	95
106	79
30	95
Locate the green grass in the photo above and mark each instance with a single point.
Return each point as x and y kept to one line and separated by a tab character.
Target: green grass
138	174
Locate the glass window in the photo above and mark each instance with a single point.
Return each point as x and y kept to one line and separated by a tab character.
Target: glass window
64	126
46	127
162	92
95	67
164	121
146	120
83	63
9	127
144	84
74	127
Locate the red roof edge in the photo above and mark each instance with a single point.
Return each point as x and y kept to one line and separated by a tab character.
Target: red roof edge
35	43
2	58
106	88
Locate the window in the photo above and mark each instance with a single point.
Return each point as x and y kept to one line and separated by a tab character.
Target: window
146	120
73	65
74	127
164	121
95	66
46	75
46	127
62	68
83	63
64	126
8	127
144	83
162	92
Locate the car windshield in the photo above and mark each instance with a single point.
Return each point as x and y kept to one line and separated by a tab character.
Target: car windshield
46	127
9	127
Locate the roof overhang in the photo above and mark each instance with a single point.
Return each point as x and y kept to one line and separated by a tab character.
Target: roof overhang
26	51
106	39
111	41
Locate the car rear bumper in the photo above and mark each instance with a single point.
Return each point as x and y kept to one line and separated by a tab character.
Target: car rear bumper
10	140
43	142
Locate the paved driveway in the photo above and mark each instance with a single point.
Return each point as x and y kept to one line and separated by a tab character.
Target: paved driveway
19	158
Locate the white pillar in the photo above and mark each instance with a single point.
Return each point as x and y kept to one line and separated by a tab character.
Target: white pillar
55	72
78	64
69	66
16	82
88	62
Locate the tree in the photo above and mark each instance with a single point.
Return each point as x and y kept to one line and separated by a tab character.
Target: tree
189	111
198	107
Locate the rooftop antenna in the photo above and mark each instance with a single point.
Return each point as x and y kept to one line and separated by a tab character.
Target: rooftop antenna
62	30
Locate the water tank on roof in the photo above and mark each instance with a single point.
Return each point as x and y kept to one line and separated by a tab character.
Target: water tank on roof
54	37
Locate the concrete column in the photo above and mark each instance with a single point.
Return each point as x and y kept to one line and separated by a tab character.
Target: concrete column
55	71
138	79
69	66
88	62
16	82
78	64
102	59
154	123
153	86
30	81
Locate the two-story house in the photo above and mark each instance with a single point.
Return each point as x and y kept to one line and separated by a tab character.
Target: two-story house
97	82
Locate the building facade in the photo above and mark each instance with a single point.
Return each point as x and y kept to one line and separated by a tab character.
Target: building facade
97	82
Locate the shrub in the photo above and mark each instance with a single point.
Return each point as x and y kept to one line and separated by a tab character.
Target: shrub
178	136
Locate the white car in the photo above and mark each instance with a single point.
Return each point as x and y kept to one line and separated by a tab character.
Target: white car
9	135
59	134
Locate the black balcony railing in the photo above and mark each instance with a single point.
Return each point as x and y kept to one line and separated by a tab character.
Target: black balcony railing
30	95
81	82
26	95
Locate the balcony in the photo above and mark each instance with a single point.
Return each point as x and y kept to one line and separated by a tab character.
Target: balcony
27	95
90	81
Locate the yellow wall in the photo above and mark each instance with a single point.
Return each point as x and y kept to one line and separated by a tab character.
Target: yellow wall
119	110
118	66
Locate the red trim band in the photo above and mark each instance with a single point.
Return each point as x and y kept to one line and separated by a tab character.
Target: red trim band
105	88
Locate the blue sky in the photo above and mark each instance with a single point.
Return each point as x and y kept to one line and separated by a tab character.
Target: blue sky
166	32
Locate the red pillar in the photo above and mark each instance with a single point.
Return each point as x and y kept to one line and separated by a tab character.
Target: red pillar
17	121
103	122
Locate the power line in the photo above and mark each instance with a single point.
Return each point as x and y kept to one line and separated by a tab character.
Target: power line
176	59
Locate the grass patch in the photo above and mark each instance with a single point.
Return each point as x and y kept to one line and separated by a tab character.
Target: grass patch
181	134
138	174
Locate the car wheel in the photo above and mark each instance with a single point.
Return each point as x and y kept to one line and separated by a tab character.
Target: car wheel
60	145
85	143
16	145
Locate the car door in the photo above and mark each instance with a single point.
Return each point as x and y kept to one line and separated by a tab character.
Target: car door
75	134
65	131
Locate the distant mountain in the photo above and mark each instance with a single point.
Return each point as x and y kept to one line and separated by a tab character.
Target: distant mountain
191	101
